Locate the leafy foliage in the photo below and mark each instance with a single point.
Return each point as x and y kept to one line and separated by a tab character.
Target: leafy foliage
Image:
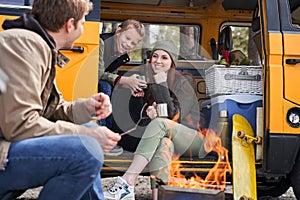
240	37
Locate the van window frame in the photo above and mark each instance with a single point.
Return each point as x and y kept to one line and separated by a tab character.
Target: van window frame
146	47
236	24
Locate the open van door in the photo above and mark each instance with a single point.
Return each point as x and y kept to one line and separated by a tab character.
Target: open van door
281	51
290	27
79	78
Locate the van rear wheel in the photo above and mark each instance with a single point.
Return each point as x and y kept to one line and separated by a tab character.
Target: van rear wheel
295	177
274	189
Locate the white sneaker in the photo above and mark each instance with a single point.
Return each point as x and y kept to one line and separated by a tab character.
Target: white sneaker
121	190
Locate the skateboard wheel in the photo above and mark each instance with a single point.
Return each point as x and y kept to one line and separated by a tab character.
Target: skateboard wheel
244	198
258	140
241	134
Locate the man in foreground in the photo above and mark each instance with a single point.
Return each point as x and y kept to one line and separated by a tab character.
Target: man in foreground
41	141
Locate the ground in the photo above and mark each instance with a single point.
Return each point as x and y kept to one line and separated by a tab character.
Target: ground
143	192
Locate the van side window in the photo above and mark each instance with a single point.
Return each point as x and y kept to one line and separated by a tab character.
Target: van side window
17	2
239	37
295	13
186	37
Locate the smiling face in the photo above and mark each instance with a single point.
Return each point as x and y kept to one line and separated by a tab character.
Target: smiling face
160	61
128	39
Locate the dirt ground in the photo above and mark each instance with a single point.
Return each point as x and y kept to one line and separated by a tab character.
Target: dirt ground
143	192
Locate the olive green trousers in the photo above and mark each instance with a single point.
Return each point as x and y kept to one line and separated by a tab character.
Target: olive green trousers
164	138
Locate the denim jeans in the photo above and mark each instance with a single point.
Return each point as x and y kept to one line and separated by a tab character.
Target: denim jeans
67	166
106	88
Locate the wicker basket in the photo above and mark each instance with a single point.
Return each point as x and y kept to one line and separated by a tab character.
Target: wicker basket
222	80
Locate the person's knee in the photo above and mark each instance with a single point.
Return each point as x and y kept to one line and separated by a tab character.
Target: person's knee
91	156
162	123
93	147
155	122
105	87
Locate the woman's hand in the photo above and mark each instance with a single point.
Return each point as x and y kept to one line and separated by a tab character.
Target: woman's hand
160	77
151	111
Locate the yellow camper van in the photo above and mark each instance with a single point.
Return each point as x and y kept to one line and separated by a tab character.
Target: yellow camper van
267	32
261	85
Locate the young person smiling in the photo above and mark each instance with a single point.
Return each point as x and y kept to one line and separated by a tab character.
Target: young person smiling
114	48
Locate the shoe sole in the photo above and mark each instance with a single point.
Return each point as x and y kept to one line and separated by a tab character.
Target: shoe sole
126	198
129	198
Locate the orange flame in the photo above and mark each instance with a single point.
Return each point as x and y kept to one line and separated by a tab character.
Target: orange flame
216	178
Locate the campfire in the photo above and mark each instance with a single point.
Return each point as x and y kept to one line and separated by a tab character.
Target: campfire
216	177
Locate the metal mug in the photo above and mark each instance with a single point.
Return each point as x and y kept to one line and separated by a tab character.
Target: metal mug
162	110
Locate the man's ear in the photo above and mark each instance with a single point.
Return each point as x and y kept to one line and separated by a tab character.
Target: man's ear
118	30
70	24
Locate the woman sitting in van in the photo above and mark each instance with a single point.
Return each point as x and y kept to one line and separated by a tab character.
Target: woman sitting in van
165	86
163	137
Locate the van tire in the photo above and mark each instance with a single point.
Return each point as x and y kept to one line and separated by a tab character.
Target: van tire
275	190
295	177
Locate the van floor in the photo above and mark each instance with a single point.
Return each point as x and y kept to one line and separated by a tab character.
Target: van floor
117	165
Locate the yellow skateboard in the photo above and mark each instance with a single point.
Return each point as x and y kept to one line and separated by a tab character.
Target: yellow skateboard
243	159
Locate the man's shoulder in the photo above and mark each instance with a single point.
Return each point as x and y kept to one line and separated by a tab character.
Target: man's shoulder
22	39
19	30
21	33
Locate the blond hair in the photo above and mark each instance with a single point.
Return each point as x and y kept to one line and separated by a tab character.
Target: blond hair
138	26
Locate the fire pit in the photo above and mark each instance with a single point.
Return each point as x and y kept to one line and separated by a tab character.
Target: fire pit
179	193
197	187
